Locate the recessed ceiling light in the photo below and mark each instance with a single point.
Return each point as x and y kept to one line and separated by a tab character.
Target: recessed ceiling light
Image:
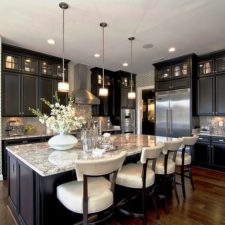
96	55
51	41
172	49
125	64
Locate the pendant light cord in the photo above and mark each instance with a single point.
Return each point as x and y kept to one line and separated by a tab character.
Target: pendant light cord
103	57
131	63
63	60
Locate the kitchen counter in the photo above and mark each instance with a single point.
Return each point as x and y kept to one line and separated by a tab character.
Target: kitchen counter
46	161
211	134
4	138
35	171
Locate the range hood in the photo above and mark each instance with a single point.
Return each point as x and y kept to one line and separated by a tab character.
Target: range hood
82	95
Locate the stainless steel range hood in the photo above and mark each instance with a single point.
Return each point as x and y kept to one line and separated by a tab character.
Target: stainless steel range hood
82	95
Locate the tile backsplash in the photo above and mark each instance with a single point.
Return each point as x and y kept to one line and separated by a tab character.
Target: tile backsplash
81	110
215	124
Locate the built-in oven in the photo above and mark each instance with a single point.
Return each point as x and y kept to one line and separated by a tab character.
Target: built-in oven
128	120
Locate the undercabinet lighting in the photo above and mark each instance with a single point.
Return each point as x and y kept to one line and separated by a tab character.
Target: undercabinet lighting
172	49
96	55
51	41
125	64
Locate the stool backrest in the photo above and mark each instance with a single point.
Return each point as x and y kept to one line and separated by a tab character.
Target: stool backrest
151	152
99	167
190	140
171	148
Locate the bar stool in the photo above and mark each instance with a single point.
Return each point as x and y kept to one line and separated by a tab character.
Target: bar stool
165	168
92	194
183	160
138	177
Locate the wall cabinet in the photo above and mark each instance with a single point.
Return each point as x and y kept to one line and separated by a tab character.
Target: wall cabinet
211	91
209	152
27	77
176	73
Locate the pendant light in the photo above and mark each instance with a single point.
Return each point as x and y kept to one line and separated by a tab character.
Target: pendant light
62	85
131	94
103	91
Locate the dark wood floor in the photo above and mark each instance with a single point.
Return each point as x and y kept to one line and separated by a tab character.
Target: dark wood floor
204	206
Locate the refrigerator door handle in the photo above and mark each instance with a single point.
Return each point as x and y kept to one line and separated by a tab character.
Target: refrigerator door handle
171	121
167	121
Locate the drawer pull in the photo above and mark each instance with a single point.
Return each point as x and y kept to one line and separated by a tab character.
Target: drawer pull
24	142
221	140
200	138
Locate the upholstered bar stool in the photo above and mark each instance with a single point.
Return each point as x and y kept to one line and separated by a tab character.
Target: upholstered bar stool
183	160
165	168
92	193
139	177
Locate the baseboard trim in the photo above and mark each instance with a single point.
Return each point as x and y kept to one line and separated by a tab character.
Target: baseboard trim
1	177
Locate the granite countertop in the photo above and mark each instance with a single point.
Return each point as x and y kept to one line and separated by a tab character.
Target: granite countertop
26	136
46	161
211	134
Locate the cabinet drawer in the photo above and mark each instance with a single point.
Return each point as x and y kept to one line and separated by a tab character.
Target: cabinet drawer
163	85
181	83
204	139
218	140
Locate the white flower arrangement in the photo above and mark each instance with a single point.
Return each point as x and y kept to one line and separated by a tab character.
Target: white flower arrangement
62	118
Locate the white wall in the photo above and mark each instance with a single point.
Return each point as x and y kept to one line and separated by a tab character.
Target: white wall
143	81
1	178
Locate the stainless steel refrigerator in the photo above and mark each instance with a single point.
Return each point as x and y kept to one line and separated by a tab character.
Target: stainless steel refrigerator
173	113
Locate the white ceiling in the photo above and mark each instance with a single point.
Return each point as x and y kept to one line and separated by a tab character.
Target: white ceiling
189	25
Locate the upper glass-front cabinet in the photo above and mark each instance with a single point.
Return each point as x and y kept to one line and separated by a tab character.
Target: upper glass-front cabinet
47	68
220	64
11	62
29	65
180	70
163	73
205	68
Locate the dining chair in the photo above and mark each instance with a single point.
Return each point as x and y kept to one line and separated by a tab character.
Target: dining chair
92	194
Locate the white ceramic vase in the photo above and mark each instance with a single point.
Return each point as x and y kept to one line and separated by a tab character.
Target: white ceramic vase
62	141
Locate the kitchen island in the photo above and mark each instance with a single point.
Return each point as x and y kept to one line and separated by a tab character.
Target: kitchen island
35	170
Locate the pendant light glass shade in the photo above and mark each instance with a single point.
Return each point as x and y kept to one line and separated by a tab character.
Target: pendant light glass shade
103	91
131	94
62	85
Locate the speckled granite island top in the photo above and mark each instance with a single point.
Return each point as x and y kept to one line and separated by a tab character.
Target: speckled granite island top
47	161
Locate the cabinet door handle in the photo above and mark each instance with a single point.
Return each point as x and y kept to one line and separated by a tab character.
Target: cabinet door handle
221	140
24	142
13	168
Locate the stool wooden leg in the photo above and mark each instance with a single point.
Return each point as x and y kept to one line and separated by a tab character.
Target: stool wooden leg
165	193
155	205
182	181
144	208
175	190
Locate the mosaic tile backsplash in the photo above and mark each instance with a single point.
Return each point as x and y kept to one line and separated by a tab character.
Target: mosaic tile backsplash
215	124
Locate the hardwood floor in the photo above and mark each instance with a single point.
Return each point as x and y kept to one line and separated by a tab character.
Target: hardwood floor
204	206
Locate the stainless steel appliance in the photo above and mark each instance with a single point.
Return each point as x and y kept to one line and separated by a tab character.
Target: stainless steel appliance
173	113
128	120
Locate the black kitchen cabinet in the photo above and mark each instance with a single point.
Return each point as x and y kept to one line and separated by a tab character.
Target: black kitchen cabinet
209	152
220	95
11	62
11	87
29	65
218	153
177	73
46	92
13	184
21	90
202	154
206	96
29	94
27	77
106	106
